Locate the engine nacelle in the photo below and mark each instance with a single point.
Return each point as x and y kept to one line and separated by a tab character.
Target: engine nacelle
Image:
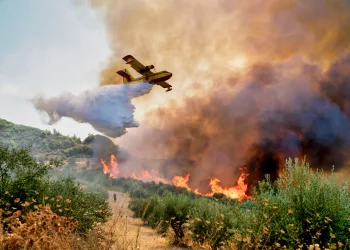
149	67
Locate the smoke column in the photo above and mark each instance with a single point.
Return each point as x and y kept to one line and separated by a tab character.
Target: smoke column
254	82
108	109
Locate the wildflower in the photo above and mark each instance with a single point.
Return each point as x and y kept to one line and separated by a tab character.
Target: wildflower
186	225
290	211
329	219
17	200
17	213
25	204
238	237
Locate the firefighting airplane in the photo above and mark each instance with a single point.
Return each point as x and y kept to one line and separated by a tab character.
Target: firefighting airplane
158	78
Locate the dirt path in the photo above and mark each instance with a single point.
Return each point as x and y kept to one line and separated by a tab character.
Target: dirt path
129	231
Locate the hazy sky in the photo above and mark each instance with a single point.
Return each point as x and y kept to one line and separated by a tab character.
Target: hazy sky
48	47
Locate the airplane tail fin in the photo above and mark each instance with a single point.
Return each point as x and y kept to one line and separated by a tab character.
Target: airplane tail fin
127	77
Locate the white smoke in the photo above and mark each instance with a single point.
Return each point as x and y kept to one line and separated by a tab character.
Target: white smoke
108	108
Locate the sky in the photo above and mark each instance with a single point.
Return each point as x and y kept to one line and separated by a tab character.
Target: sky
47	48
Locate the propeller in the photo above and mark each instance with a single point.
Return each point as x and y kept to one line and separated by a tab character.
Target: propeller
154	67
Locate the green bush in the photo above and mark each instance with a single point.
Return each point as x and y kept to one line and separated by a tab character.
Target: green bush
43	141
302	208
210	222
25	184
67	198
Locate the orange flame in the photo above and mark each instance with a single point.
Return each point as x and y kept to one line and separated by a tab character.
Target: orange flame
179	181
105	167
237	192
114	172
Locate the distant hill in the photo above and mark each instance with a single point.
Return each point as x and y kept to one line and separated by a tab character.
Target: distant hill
46	143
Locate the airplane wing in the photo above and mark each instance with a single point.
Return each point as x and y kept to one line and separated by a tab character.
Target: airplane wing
165	85
136	65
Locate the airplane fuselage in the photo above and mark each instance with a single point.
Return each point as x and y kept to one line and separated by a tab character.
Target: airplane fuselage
156	77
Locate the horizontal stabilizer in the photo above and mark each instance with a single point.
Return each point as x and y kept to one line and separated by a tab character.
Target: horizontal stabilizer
127	77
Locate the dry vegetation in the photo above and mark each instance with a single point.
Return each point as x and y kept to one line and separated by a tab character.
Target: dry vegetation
44	229
303	209
129	232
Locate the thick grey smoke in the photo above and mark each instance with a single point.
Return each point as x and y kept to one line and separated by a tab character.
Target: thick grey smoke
290	109
108	109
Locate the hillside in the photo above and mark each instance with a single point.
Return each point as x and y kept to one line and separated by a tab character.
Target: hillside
45	142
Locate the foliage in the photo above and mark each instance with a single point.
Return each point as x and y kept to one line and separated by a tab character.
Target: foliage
43	229
25	184
302	209
140	189
44	142
67	198
210	222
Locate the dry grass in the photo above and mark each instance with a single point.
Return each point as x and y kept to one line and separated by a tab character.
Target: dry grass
130	233
43	229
